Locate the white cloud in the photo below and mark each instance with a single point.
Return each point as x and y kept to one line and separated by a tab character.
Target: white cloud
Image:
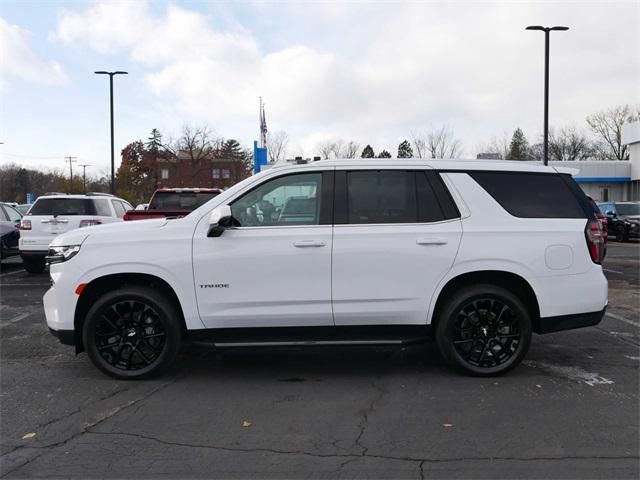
375	72
18	60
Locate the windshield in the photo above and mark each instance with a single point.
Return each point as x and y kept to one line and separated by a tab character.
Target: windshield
63	206
180	200
628	208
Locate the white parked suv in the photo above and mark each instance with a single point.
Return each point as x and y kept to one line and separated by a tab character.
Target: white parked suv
54	214
480	254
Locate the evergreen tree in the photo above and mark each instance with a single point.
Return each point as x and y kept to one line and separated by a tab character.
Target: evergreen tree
384	154
405	150
155	141
519	148
368	152
231	149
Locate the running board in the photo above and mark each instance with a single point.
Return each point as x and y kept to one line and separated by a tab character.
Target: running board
309	343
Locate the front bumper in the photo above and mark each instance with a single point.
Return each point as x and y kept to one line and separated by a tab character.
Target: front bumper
569	322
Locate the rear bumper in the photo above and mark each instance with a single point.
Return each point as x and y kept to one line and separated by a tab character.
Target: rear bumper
569	322
66	337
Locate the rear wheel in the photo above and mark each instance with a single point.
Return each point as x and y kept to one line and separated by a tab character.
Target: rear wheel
34	265
132	333
484	330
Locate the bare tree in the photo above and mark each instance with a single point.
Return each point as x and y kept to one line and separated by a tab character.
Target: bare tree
277	143
607	125
351	149
419	145
337	147
437	143
196	142
326	149
442	144
567	144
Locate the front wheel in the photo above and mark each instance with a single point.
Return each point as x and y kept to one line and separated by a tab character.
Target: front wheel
483	330
132	333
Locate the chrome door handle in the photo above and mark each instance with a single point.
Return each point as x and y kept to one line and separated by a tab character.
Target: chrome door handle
309	243
431	241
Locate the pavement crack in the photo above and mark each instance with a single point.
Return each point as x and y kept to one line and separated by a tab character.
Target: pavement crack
365	417
86	427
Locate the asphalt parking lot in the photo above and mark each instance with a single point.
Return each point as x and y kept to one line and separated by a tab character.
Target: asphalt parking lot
570	411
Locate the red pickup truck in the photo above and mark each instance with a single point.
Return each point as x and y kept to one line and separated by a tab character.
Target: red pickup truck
173	202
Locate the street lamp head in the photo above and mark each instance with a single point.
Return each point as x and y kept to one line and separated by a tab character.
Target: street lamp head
535	27
559	28
120	72
101	72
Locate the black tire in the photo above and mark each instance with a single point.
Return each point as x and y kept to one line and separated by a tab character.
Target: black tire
473	322
34	265
622	234
133	332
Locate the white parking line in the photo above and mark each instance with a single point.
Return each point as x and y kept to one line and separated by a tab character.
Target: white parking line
613	271
19	317
576	374
11	273
622	319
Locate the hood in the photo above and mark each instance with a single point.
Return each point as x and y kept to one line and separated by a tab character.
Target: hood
79	235
633	218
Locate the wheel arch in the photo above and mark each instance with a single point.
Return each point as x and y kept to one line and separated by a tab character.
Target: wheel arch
98	286
510	281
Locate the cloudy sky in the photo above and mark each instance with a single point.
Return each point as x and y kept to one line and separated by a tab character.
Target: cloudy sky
374	72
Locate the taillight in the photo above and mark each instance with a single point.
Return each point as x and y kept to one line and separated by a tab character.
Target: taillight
88	223
25	224
594	233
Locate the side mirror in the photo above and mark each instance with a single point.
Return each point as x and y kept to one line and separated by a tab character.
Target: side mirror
610	213
220	219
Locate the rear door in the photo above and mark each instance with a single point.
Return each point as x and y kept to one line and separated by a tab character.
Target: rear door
396	235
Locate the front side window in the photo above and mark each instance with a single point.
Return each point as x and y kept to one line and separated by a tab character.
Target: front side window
283	201
628	208
13	214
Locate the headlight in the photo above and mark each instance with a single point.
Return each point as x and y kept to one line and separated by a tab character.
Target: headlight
62	254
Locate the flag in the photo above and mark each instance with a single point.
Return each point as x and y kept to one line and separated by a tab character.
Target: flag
263	126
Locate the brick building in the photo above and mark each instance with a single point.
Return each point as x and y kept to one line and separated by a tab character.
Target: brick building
206	172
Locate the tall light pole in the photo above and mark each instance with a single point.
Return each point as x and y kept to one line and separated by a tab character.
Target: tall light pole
111	74
546	31
84	175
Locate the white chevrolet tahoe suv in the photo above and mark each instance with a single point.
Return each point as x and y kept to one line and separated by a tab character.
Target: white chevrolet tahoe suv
480	254
54	214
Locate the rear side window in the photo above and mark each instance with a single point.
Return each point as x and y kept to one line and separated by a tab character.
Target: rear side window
102	208
63	206
533	195
391	196
380	197
117	205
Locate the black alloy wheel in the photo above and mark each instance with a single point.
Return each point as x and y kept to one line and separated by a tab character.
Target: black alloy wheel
132	333
484	330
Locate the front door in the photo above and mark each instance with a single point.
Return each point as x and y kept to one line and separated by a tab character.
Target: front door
393	243
274	270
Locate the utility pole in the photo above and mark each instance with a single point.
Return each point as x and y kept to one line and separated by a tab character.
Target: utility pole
71	160
84	175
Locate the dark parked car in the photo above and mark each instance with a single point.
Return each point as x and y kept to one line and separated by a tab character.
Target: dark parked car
9	233
623	219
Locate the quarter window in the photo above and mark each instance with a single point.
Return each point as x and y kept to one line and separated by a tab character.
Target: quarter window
118	208
102	208
283	201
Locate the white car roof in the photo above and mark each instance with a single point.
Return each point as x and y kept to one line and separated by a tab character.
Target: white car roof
436	164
